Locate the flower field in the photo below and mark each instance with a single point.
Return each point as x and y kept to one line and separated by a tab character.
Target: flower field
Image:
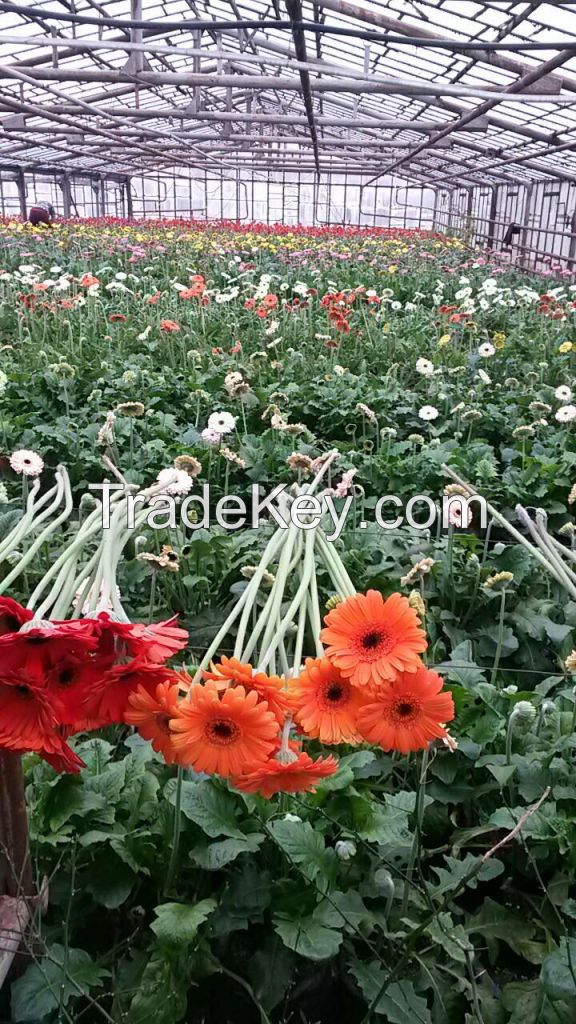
286	773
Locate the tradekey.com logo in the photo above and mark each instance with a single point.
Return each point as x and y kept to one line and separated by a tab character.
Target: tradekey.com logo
303	511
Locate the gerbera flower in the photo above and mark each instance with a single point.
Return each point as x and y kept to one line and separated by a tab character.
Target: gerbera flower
221	422
371	640
325	704
178	481
27	715
409	713
428	412
226	733
12	615
486	350
108	703
169	326
26	462
156	641
299	776
563	393
39	645
150	713
566	413
425	367
232	672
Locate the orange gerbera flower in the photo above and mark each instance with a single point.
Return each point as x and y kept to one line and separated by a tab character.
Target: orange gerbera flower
408	713
150	713
299	776
232	672
226	732
326	705
371	639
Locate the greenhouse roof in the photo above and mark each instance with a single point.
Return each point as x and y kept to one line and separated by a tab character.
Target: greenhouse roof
444	92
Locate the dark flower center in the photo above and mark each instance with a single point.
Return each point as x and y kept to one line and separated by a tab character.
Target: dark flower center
163	722
222	731
335	692
371	640
405	709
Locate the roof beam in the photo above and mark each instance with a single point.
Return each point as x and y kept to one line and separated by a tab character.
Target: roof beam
522	83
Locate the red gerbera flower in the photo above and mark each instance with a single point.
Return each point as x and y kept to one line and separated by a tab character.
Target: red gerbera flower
28	723
109	702
12	615
39	644
117	318
299	776
155	642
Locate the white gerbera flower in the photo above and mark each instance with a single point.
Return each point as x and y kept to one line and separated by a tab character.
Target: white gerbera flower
221	422
563	393
566	413
210	436
428	412
425	367
177	481
26	462
486	350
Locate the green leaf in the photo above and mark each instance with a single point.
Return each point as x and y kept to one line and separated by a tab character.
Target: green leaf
495	922
209	807
110	880
467	872
177	923
559	971
303	846
215	856
69	798
59	976
523	999
308	937
344	910
387	826
452	938
271	970
399	1003
161	997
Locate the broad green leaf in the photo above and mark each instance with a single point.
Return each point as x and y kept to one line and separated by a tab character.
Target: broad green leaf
271	970
177	923
303	846
161	997
559	971
495	922
69	798
215	856
451	937
209	807
399	1003
345	910
308	937
466	873
58	976
110	880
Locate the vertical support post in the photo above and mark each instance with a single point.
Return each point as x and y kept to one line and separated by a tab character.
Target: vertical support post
21	185
66	195
102	196
129	203
15	866
524	261
492	216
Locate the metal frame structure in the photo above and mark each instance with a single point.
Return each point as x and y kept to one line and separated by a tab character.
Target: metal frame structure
451	114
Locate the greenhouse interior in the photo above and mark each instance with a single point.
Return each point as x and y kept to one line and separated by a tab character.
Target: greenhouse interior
288	512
